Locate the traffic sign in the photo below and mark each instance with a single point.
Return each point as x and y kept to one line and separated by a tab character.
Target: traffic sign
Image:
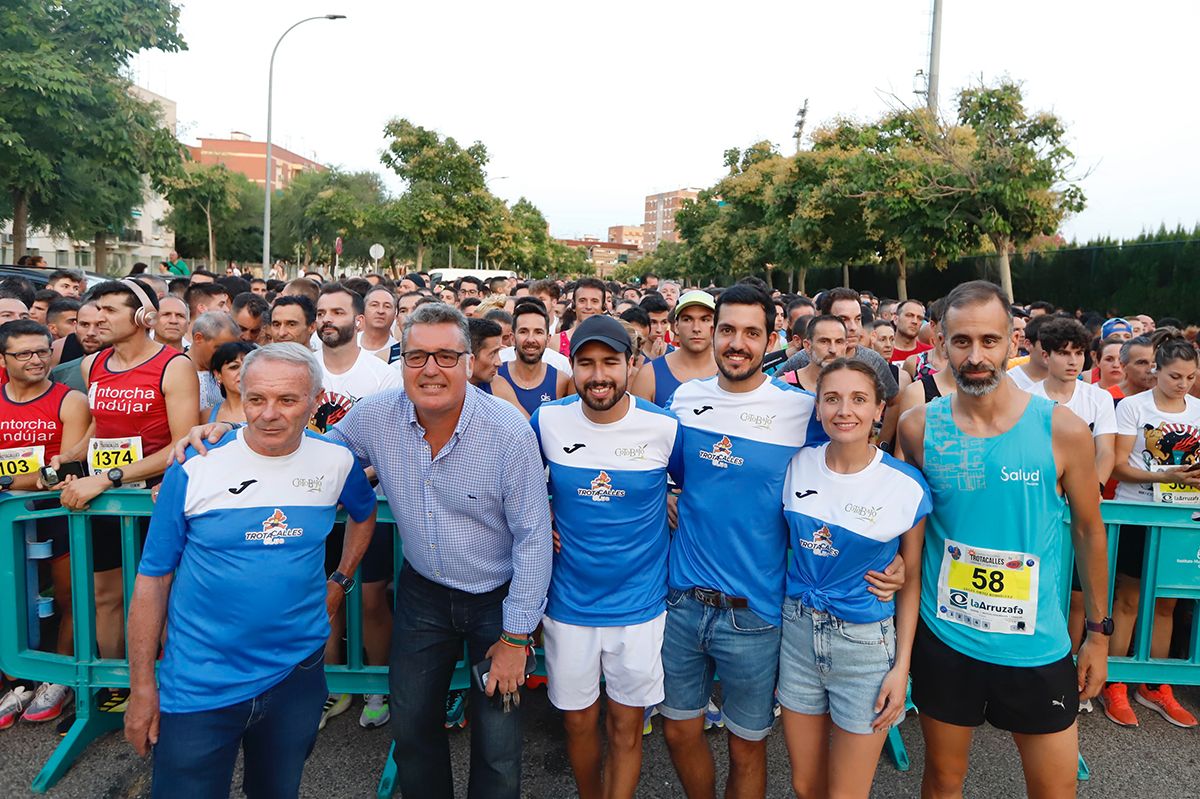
337	245
376	251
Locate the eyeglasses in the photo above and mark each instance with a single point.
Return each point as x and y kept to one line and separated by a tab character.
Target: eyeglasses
416	359
22	357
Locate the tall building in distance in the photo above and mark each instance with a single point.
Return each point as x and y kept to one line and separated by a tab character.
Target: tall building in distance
660	216
626	234
240	154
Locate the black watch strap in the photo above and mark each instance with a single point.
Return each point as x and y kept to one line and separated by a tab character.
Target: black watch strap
347	583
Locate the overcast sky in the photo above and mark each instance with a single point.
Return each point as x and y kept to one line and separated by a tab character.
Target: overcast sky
587	107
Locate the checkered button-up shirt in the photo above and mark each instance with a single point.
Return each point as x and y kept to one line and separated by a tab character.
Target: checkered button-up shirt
474	516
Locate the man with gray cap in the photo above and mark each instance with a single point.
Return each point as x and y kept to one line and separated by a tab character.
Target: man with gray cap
608	454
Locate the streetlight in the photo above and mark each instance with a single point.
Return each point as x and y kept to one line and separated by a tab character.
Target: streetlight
266	256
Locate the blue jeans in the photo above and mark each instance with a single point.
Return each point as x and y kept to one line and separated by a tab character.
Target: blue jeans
431	623
276	730
736	643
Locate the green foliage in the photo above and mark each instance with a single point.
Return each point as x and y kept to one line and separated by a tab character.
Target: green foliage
318	207
210	199
74	144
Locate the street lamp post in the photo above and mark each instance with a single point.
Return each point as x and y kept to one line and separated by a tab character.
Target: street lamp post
266	254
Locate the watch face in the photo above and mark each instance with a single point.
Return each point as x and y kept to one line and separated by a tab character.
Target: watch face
6	481
115	475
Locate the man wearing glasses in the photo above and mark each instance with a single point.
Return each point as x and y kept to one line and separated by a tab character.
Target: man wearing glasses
37	419
466	475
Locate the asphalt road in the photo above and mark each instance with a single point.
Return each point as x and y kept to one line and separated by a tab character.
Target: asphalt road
1155	760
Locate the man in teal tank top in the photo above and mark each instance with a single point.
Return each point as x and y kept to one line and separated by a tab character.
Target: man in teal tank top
992	643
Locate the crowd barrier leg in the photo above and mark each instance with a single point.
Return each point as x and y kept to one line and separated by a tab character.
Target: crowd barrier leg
89	725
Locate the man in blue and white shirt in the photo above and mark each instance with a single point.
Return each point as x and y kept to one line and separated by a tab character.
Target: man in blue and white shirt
235	562
609	453
727	562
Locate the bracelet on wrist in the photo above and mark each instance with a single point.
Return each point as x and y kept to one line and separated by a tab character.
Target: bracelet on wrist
516	641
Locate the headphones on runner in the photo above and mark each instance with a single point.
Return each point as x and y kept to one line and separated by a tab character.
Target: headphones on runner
146	315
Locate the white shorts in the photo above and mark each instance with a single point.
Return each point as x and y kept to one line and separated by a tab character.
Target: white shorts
630	658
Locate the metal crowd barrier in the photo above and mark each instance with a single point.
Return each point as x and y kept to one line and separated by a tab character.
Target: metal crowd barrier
1171	569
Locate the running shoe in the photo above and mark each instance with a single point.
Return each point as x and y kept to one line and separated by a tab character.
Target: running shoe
375	712
1116	704
1162	701
65	721
13	705
112	700
47	703
1085	706
650	713
335	705
713	716
456	709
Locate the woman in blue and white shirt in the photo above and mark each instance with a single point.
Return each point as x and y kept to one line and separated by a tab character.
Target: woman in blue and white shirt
845	651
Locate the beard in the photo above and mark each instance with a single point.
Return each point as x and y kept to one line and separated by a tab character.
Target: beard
975	386
529	358
615	395
744	372
333	336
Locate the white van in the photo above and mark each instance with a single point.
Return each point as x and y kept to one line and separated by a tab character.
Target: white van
452	275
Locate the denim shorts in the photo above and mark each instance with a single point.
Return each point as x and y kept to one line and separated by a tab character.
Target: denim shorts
737	644
827	665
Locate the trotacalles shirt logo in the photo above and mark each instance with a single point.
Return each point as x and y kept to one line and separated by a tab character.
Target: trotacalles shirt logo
821	544
311	484
760	421
721	455
274	530
634	453
602	489
1029	478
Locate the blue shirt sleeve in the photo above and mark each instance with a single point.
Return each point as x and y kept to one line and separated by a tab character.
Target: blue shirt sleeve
535	422
168	527
358	498
352	431
675	462
527	511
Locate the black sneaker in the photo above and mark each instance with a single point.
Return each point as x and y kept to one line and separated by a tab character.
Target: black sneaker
65	721
112	700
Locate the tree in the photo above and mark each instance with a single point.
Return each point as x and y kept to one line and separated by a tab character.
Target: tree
72	141
447	187
1005	171
318	207
204	191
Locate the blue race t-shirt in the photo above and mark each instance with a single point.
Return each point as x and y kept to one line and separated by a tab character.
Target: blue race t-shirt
736	447
609	488
843	525
245	535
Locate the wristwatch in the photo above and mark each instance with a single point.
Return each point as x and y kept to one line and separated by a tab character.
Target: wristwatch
6	481
115	476
347	583
1104	626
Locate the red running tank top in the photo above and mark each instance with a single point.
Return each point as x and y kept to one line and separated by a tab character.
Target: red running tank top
37	422
131	403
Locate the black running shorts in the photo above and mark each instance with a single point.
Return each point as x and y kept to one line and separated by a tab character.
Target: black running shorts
953	688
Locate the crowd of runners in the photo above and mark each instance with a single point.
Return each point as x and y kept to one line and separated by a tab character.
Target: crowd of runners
732	506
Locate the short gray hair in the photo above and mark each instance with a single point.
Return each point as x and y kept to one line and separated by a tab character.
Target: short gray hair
211	324
437	313
283	352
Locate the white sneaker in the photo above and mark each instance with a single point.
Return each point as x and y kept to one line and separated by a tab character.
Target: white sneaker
375	712
1085	706
13	705
47	703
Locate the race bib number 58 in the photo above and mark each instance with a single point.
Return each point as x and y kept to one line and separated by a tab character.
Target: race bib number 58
990	590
